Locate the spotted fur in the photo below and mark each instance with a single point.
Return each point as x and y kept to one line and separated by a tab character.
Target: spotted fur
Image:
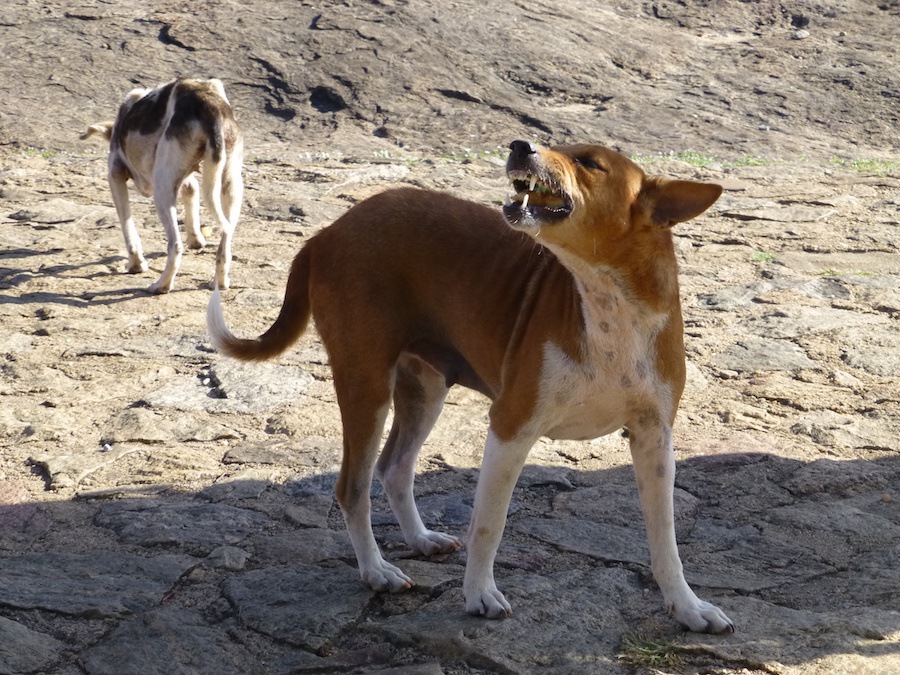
159	140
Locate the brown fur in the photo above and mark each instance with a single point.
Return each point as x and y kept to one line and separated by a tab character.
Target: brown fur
565	313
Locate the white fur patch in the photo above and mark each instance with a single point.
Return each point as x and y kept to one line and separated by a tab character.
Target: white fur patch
617	374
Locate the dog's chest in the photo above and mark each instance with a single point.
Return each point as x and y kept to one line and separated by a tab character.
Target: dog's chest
616	375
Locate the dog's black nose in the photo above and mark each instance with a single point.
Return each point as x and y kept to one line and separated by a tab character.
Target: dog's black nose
522	148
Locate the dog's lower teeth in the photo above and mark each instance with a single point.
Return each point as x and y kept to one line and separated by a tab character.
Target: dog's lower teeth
525	201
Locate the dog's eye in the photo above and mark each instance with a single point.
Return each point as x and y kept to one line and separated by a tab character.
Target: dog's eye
590	163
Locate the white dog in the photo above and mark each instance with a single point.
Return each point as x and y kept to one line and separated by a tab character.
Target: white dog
159	139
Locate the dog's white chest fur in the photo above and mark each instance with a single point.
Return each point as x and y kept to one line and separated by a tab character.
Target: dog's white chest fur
594	397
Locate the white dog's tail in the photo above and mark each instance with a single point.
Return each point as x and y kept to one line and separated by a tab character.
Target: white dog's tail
102	128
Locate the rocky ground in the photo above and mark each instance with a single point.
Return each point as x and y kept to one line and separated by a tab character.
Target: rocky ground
166	510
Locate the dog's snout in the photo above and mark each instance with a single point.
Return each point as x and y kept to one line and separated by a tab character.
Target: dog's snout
523	148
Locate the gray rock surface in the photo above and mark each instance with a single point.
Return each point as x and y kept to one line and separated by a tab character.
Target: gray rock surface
102	584
163	509
23	650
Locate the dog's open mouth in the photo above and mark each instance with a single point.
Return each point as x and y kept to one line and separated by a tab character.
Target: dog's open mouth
536	199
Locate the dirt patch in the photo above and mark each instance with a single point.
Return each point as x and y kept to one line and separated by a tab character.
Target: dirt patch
162	508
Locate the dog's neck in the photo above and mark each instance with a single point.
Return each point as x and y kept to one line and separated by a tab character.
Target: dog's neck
648	278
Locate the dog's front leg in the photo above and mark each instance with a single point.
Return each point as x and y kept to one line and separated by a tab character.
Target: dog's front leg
118	186
654	465
500	469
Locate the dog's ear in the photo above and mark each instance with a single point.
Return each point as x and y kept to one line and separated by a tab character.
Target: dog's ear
674	201
102	128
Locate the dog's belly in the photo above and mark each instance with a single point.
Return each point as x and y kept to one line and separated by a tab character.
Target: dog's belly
585	424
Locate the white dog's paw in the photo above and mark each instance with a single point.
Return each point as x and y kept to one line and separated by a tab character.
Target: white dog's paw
702	617
386	577
138	267
434	543
196	243
489	603
159	287
224	283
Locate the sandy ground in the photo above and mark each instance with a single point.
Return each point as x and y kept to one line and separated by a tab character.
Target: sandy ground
165	510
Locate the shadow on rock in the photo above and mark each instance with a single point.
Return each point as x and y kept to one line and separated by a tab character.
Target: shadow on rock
254	576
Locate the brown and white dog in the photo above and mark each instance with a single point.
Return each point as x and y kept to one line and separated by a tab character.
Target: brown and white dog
159	139
413	291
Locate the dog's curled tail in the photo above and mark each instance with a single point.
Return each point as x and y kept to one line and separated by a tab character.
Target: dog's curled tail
287	329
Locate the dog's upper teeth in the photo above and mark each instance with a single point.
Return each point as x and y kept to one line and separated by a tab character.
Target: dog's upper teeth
533	183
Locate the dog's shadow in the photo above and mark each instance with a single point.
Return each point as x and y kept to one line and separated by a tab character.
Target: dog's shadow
13	277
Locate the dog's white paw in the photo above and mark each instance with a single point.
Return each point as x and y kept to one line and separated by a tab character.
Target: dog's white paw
387	577
159	287
433	543
196	243
489	603
138	267
222	284
702	617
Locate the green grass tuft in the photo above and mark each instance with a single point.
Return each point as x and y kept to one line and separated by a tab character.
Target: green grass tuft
879	167
762	256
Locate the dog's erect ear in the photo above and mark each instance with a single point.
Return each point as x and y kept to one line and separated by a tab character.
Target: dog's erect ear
674	201
102	128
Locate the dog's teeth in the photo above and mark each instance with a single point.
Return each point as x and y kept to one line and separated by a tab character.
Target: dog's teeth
533	183
525	201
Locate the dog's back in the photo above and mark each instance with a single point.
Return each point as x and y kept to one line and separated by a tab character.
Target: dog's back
193	112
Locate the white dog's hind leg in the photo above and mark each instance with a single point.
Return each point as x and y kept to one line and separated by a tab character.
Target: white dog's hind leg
500	469
223	189
232	191
419	393
168	175
233	184
118	186
190	197
653	456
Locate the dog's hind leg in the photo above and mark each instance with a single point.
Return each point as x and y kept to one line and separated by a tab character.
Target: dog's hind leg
190	197
164	198
233	185
118	186
364	404
650	439
169	171
419	393
223	192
